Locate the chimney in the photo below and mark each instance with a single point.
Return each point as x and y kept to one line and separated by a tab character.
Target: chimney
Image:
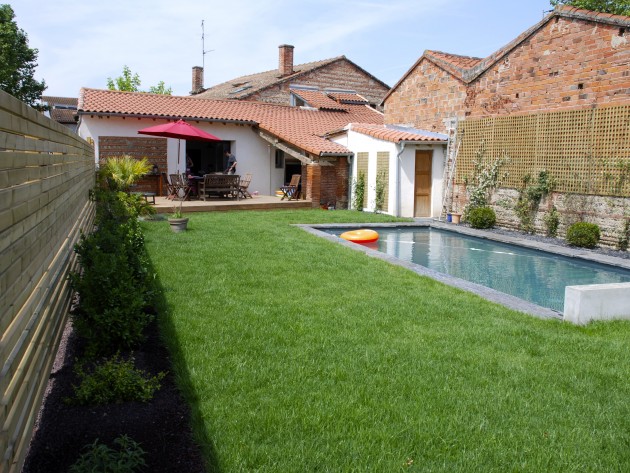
197	80
285	64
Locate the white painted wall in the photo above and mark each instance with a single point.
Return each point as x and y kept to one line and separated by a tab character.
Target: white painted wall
583	304
254	155
401	172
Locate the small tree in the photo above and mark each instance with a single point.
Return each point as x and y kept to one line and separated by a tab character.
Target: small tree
161	89
616	7
120	173
17	61
130	82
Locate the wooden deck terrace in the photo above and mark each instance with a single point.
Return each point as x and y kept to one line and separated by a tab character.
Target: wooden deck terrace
257	202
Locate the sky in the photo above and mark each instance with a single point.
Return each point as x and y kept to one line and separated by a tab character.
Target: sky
81	43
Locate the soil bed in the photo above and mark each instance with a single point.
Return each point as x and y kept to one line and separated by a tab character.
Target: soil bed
161	426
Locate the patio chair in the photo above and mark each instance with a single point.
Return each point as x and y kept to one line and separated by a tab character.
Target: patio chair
290	191
243	185
170	190
180	187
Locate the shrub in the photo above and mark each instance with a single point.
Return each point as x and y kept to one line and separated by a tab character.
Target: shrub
114	381
583	234
359	192
110	314
482	217
381	186
122	172
624	236
552	222
128	458
114	284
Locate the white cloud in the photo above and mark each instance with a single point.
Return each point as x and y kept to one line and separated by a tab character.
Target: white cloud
81	43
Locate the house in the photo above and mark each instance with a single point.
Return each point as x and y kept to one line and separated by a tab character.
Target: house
408	162
270	141
62	110
572	59
274	86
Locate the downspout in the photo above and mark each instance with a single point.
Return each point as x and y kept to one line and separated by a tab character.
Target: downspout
397	178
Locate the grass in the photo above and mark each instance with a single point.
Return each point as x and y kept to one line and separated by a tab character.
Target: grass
298	355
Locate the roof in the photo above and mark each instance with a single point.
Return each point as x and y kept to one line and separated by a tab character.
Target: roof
63	115
396	133
246	86
318	99
467	69
303	128
63	101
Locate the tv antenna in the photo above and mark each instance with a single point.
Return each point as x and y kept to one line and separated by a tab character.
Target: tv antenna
203	47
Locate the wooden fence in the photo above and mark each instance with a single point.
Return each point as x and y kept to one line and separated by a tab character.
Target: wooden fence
585	151
46	173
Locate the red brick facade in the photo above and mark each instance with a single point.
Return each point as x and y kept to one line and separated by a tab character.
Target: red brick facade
570	60
426	98
154	149
340	74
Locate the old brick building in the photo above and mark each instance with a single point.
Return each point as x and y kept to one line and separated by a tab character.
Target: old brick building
275	86
571	59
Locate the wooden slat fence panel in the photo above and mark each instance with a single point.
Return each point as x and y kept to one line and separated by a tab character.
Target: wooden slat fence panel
46	173
586	151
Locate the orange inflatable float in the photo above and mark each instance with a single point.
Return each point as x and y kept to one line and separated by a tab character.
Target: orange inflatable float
360	236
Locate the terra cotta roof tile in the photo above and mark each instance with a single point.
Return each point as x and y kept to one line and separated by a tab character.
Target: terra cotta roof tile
302	128
396	134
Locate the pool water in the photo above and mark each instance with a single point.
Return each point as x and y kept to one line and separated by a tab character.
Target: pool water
535	276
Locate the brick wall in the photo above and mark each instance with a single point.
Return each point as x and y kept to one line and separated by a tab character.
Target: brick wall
340	74
154	149
427	97
342	173
568	63
313	183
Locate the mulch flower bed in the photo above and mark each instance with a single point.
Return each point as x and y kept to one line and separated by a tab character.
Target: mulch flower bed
160	426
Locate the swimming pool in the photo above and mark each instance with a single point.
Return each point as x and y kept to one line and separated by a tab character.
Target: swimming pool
532	275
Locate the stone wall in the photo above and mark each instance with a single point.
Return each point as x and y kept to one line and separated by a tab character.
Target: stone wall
609	213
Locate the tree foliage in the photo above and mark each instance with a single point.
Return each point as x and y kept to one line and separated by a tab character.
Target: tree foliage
130	82
160	89
17	61
616	7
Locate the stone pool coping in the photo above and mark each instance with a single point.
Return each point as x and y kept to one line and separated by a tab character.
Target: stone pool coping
506	300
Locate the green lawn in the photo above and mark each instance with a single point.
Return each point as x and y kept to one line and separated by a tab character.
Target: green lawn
299	355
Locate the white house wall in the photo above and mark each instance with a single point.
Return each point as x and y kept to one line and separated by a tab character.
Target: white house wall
401	172
254	155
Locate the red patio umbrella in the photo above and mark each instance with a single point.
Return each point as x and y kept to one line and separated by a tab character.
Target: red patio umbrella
180	130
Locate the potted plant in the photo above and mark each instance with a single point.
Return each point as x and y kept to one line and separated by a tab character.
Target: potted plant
177	221
456	215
